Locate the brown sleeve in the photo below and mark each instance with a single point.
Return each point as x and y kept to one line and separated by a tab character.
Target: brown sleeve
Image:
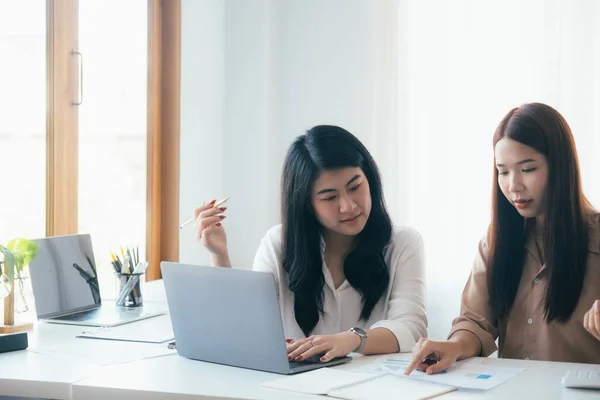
475	311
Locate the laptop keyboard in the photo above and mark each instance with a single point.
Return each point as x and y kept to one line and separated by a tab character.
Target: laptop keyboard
82	316
296	364
309	361
107	315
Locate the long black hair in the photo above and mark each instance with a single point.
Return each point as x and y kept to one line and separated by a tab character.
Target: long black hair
322	148
565	235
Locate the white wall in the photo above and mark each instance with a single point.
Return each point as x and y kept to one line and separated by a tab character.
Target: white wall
202	112
256	74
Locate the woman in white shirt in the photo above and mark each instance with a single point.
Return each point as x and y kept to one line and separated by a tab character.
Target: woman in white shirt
347	280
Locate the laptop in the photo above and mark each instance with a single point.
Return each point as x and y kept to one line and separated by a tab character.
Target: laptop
230	316
66	289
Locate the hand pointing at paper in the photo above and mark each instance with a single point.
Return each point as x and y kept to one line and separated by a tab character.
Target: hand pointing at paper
463	344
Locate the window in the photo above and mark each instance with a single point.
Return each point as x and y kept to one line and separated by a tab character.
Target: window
112	129
22	119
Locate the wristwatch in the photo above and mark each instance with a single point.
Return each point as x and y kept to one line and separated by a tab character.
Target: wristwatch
362	335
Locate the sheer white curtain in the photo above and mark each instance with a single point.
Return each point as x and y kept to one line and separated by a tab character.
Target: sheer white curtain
463	65
423	83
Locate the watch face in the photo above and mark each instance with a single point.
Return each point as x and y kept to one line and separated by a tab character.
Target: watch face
360	331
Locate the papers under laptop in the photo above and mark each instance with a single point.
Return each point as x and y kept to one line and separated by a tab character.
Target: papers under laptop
66	287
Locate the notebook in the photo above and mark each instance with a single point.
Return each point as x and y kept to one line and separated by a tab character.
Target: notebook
358	386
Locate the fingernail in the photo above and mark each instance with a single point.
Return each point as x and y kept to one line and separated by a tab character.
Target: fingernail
222	208
299	358
323	359
213	201
218	224
288	340
222	217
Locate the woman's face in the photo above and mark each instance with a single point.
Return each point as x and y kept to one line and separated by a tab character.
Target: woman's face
341	199
522	176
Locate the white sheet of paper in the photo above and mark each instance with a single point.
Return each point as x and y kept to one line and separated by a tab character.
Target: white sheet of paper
151	330
461	375
319	381
101	352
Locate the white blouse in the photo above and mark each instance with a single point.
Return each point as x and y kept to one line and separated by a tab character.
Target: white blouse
401	309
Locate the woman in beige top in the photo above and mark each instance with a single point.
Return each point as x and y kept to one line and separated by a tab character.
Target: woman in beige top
535	283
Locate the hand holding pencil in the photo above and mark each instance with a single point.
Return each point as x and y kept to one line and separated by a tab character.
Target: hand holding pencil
210	232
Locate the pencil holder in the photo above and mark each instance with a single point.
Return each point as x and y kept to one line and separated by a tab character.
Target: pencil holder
129	292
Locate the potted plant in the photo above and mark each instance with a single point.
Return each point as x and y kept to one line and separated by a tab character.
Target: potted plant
13	258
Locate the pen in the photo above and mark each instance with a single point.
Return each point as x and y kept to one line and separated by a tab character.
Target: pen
131	261
217	204
430	359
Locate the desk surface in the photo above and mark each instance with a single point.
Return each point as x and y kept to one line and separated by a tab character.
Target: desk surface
57	365
28	374
180	378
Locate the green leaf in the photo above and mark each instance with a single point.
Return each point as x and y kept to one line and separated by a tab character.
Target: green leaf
9	262
24	251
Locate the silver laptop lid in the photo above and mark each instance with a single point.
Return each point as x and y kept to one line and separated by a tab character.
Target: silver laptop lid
63	276
226	316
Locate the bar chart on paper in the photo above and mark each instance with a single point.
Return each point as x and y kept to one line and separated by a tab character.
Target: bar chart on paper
463	374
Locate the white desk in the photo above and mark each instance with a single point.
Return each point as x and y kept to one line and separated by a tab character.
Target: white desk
55	358
27	374
174	377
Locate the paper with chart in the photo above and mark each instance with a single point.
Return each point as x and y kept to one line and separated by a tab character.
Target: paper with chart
463	374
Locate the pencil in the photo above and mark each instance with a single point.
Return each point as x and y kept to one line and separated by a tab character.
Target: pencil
115	263
217	204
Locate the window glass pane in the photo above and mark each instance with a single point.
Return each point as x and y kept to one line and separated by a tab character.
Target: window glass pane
112	129
22	119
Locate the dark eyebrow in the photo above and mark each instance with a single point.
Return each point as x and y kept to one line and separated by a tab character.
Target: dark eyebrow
325	191
519	163
355	177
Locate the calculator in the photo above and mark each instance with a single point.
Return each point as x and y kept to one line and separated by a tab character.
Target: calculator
582	378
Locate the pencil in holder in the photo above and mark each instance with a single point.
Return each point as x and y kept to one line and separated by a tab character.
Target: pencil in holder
129	292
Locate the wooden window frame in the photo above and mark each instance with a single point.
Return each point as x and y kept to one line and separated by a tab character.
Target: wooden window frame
164	77
62	150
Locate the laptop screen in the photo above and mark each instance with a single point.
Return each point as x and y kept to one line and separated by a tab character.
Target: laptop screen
63	275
